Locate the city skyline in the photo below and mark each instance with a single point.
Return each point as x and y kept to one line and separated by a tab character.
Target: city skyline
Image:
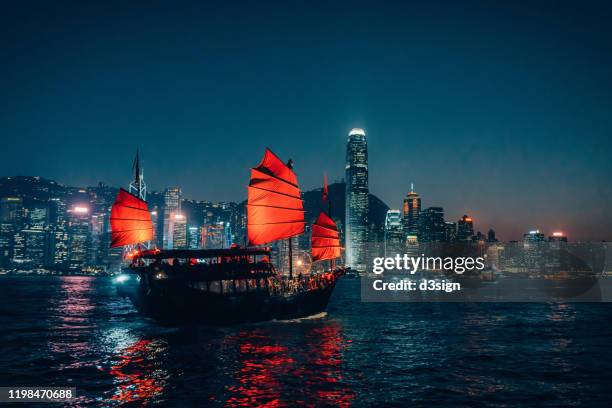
504	117
79	203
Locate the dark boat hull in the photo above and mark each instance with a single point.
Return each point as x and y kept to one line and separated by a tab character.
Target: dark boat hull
174	303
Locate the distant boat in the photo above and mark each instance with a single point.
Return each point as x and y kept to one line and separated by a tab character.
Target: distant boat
237	284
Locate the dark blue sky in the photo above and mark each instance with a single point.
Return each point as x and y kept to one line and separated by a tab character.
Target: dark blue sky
501	111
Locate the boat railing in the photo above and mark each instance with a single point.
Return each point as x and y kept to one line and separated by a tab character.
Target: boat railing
300	284
208	271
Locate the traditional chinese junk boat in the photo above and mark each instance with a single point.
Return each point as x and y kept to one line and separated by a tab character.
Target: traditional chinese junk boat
233	285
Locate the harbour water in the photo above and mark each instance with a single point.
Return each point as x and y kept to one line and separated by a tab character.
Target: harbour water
75	331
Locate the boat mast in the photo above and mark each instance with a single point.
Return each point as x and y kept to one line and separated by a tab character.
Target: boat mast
290	259
332	262
138	187
290	165
137	173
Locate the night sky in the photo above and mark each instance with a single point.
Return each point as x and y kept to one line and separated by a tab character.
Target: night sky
500	111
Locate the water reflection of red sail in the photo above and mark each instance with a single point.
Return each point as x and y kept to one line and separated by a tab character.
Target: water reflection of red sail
327	379
130	220
274	209
266	366
138	378
325	239
258	377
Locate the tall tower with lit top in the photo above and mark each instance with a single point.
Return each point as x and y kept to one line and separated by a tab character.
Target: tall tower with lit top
410	214
356	199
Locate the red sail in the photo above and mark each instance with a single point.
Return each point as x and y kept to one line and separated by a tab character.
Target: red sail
130	220
325	239
274	209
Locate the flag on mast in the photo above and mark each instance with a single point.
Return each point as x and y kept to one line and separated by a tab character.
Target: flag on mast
325	187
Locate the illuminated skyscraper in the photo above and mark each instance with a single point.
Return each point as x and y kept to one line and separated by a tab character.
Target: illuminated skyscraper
431	225
11	220
36	247
155	221
11	211
465	229
534	236
7	234
356	199
450	229
213	235
172	207
37	217
79	231
410	216
30	243
178	231
535	249
557	236
60	240
193	237
394	237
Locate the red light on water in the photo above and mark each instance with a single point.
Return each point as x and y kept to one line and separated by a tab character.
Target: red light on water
266	362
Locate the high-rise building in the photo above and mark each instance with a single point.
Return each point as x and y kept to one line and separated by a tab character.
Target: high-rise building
19	249
79	232
431	225
37	217
7	235
450	229
356	199
491	236
228	237
30	248
193	237
177	230
155	221
394	236
534	236
557	236
534	249
99	244
214	235
465	229
30	244
410	214
172	207
60	240
11	221
11	211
